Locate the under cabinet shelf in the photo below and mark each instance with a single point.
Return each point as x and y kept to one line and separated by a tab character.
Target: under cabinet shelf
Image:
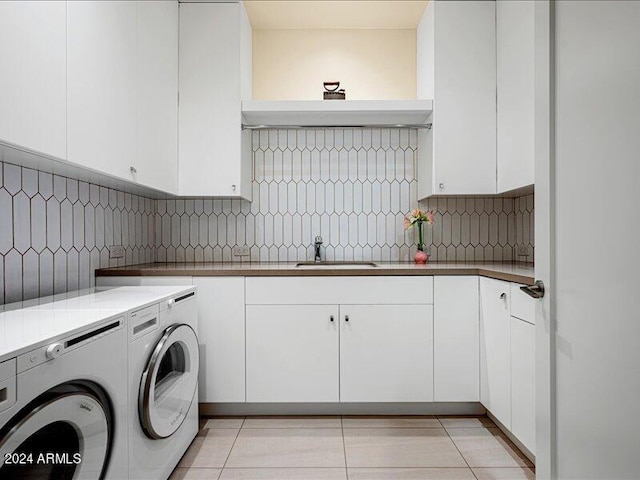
336	113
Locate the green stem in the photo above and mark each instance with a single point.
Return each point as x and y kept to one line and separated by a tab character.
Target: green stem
420	241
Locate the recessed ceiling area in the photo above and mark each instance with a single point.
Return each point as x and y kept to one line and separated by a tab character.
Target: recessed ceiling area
325	14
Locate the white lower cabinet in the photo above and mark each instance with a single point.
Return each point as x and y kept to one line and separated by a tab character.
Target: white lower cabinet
221	334
523	409
456	342
507	358
495	350
292	353
386	353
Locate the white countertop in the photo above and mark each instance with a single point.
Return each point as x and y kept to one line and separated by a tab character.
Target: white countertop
27	325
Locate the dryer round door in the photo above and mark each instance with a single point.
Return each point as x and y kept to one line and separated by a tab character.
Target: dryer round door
169	382
63	434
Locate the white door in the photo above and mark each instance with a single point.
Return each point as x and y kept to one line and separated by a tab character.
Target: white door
456	339
587	328
33	48
156	161
292	353
523	411
101	85
386	353
495	358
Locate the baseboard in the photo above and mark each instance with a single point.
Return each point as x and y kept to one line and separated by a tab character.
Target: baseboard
511	437
432	408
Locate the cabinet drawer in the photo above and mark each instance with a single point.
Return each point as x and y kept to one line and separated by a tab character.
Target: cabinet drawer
336	290
522	305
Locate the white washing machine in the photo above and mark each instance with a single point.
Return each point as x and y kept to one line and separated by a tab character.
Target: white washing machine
163	384
63	397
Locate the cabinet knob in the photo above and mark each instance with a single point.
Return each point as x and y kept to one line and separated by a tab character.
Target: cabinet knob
346	318
331	318
233	187
133	170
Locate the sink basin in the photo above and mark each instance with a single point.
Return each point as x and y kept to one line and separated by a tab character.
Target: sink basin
346	264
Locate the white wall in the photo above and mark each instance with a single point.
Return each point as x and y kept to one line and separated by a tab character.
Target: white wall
291	64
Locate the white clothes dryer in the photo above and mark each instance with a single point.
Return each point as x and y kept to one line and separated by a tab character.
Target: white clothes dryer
163	384
63	411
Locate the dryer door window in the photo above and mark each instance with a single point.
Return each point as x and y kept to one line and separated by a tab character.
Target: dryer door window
63	434
169	382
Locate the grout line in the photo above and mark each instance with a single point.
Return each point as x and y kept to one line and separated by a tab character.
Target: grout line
344	448
232	446
455	445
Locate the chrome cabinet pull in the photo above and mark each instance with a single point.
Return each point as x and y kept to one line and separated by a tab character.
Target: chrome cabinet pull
346	318
534	291
331	318
503	296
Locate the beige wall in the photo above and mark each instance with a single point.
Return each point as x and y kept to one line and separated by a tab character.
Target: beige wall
291	64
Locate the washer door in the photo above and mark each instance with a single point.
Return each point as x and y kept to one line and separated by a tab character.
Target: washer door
169	382
63	434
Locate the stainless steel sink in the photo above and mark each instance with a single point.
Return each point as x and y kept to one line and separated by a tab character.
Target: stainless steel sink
345	264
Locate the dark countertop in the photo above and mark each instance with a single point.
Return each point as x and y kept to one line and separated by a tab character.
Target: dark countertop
508	271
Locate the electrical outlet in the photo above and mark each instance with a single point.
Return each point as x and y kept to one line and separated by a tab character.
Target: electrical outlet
240	251
116	251
523	251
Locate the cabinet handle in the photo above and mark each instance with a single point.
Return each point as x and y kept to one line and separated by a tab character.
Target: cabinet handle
133	170
331	318
346	318
441	186
503	296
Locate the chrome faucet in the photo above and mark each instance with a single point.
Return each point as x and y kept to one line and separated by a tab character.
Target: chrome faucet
316	247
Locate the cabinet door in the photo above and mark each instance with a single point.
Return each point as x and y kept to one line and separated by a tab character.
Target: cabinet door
456	368
221	334
523	409
33	49
212	49
101	86
495	375
292	353
515	93
386	353
459	58
156	159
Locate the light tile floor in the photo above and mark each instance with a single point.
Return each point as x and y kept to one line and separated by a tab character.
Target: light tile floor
352	448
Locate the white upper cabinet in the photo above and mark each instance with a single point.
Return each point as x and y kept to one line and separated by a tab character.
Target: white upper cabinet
515	94
157	128
215	76
34	80
456	67
122	89
101	87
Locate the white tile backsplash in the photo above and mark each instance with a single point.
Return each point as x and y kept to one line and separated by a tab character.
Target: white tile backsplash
55	231
351	186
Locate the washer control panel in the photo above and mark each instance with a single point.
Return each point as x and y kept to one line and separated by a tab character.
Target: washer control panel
59	347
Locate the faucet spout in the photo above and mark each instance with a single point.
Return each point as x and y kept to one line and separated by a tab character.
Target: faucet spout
316	247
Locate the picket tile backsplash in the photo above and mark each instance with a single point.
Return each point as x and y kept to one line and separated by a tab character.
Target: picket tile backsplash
351	186
55	231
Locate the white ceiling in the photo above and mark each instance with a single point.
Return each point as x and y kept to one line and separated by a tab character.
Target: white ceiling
307	14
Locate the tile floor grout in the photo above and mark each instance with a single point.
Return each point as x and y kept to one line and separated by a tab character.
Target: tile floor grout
455	445
231	449
242	424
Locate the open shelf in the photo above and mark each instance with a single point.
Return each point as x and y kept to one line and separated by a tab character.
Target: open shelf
336	113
